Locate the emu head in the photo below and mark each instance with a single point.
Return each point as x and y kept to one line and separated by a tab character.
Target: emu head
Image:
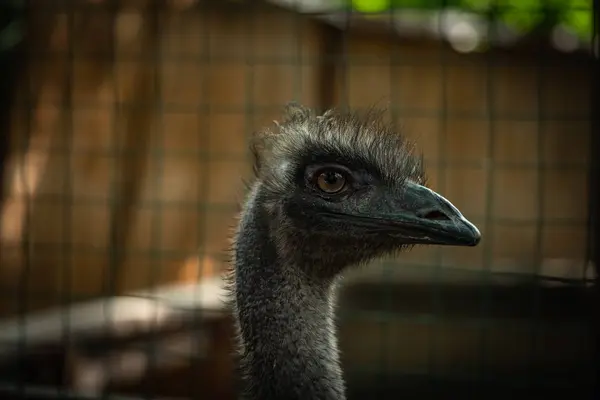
344	187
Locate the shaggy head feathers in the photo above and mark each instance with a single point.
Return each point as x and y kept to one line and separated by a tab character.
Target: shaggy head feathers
353	138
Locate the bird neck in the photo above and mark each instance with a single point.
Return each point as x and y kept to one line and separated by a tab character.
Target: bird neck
285	320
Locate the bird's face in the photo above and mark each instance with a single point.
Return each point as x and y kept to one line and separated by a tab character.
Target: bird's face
336	199
354	184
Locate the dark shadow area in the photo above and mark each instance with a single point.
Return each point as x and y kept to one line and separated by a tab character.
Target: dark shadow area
11	61
456	301
424	388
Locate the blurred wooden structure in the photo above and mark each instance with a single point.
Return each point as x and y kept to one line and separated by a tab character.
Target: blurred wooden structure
133	192
172	342
136	166
146	168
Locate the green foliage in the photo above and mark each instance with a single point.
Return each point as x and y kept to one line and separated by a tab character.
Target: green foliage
522	15
11	23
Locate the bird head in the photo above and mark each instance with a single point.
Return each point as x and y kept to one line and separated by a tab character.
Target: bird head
347	187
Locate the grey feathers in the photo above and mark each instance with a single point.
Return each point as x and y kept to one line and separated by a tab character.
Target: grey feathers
295	236
354	137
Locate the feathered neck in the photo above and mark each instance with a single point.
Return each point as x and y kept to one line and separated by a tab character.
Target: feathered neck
285	322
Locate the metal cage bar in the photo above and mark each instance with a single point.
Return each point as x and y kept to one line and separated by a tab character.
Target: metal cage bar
333	66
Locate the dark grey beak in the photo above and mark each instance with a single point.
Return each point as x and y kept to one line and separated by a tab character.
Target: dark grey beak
425	217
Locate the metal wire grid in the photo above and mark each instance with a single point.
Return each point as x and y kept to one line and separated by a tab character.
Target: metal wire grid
482	320
250	110
595	189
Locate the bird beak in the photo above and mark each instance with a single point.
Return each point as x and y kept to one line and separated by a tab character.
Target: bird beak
426	217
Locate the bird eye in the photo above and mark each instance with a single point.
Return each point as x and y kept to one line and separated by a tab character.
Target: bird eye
331	181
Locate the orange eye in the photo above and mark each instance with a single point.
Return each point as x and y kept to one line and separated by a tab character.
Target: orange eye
331	182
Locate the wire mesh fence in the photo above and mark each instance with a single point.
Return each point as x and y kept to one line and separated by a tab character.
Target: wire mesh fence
127	147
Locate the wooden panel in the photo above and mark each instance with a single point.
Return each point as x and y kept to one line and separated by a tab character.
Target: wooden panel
169	139
223	74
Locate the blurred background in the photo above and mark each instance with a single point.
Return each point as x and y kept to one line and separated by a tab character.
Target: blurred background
124	150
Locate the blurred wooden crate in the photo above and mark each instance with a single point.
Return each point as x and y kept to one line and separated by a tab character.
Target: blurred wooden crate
174	342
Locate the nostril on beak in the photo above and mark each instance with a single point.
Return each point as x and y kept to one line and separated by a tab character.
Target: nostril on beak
435	215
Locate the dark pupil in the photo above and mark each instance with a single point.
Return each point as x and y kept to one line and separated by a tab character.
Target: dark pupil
331	177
